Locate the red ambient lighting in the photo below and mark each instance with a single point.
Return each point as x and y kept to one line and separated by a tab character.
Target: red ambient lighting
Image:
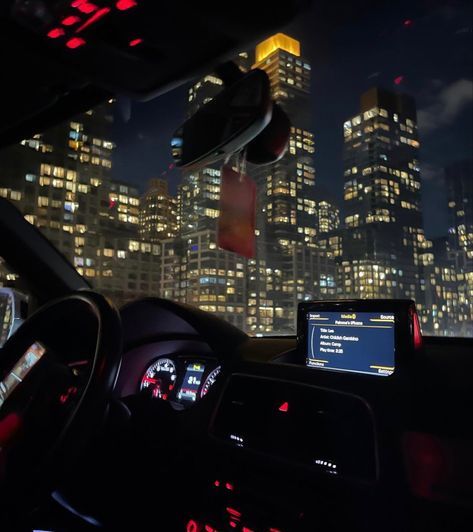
55	33
233	524
192	526
84	6
284	407
417	333
63	398
70	21
229	486
234	513
135	42
398	80
427	464
217	483
75	42
246	529
9	427
209	528
94	18
123	5
408	22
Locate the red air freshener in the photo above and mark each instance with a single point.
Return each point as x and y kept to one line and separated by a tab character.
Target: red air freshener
236	224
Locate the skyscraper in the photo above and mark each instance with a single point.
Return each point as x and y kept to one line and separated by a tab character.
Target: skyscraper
328	216
199	192
158	212
194	269
287	214
459	181
383	232
61	181
287	198
259	294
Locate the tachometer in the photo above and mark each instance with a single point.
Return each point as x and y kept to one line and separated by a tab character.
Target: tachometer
159	379
210	380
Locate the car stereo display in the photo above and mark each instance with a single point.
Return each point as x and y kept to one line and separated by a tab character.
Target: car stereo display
358	342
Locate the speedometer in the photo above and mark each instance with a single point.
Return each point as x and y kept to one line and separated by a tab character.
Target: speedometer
159	379
210	380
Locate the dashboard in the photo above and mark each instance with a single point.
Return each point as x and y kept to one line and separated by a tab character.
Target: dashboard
262	427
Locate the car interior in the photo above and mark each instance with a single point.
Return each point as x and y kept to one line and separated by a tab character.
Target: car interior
160	416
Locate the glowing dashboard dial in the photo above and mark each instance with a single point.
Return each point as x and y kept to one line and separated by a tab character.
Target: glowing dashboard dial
210	380
159	379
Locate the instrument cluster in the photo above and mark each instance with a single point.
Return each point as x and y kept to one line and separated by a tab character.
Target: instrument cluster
180	380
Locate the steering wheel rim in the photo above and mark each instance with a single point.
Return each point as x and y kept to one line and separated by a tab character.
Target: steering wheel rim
76	413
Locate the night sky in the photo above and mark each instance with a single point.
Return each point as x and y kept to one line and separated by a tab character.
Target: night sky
426	46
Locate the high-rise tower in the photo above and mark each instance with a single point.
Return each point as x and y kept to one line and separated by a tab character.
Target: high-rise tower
383	234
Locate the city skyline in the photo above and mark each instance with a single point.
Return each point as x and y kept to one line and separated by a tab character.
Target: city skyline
340	72
132	244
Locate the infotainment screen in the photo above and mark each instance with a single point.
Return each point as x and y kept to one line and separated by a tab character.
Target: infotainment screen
359	342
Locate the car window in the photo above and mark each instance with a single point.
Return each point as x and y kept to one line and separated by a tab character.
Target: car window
13	301
373	198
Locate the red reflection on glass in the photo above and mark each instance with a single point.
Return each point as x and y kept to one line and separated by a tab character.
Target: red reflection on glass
75	42
123	5
135	42
94	18
408	22
398	80
84	6
234	513
233	524
229	486
217	483
246	529
70	21
55	33
209	528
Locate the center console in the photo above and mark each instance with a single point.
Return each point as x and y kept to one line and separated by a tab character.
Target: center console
298	436
331	433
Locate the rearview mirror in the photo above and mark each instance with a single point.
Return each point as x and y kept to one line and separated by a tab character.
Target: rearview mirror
226	124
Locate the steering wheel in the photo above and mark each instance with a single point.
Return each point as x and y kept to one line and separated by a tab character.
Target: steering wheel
57	373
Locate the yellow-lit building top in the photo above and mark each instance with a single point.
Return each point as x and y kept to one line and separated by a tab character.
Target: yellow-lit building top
279	41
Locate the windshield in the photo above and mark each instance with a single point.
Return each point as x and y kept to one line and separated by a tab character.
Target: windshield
373	198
